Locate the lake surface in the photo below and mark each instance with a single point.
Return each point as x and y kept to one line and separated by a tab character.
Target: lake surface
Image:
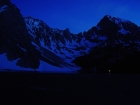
69	89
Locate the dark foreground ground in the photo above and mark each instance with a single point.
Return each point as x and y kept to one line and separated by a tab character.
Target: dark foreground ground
69	89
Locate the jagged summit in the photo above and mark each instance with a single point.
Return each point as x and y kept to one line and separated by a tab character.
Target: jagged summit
114	25
115	19
109	20
61	42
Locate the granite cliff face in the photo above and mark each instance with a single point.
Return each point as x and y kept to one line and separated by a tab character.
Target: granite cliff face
31	41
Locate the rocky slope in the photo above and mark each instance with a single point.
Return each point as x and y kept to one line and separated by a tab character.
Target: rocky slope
61	42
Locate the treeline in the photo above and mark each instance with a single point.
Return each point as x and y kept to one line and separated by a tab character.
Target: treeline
118	59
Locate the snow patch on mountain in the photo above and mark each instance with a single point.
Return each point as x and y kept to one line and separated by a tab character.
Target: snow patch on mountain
22	48
6	65
123	31
3	8
117	20
44	67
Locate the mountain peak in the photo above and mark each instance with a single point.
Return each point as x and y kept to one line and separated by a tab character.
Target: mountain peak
112	22
106	22
108	16
116	20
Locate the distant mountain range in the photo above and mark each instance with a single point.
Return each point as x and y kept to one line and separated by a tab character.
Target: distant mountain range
113	44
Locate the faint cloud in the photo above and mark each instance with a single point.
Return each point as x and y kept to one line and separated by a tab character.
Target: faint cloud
121	10
112	8
105	6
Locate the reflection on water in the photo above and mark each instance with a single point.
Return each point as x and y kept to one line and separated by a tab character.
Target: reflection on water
109	71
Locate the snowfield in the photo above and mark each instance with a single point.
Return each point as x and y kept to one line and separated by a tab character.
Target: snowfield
6	65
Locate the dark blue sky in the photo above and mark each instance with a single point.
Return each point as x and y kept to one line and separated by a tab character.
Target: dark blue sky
78	15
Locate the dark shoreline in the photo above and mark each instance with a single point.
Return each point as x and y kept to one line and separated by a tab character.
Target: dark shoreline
64	88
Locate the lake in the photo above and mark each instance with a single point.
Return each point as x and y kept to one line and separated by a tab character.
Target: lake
69	89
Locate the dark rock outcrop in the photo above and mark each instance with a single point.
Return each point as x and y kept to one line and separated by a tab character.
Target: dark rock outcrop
14	37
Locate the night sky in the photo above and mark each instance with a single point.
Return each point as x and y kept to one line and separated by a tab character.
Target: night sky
78	15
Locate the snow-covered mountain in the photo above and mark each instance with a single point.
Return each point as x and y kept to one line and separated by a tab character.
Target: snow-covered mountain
61	42
32	44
